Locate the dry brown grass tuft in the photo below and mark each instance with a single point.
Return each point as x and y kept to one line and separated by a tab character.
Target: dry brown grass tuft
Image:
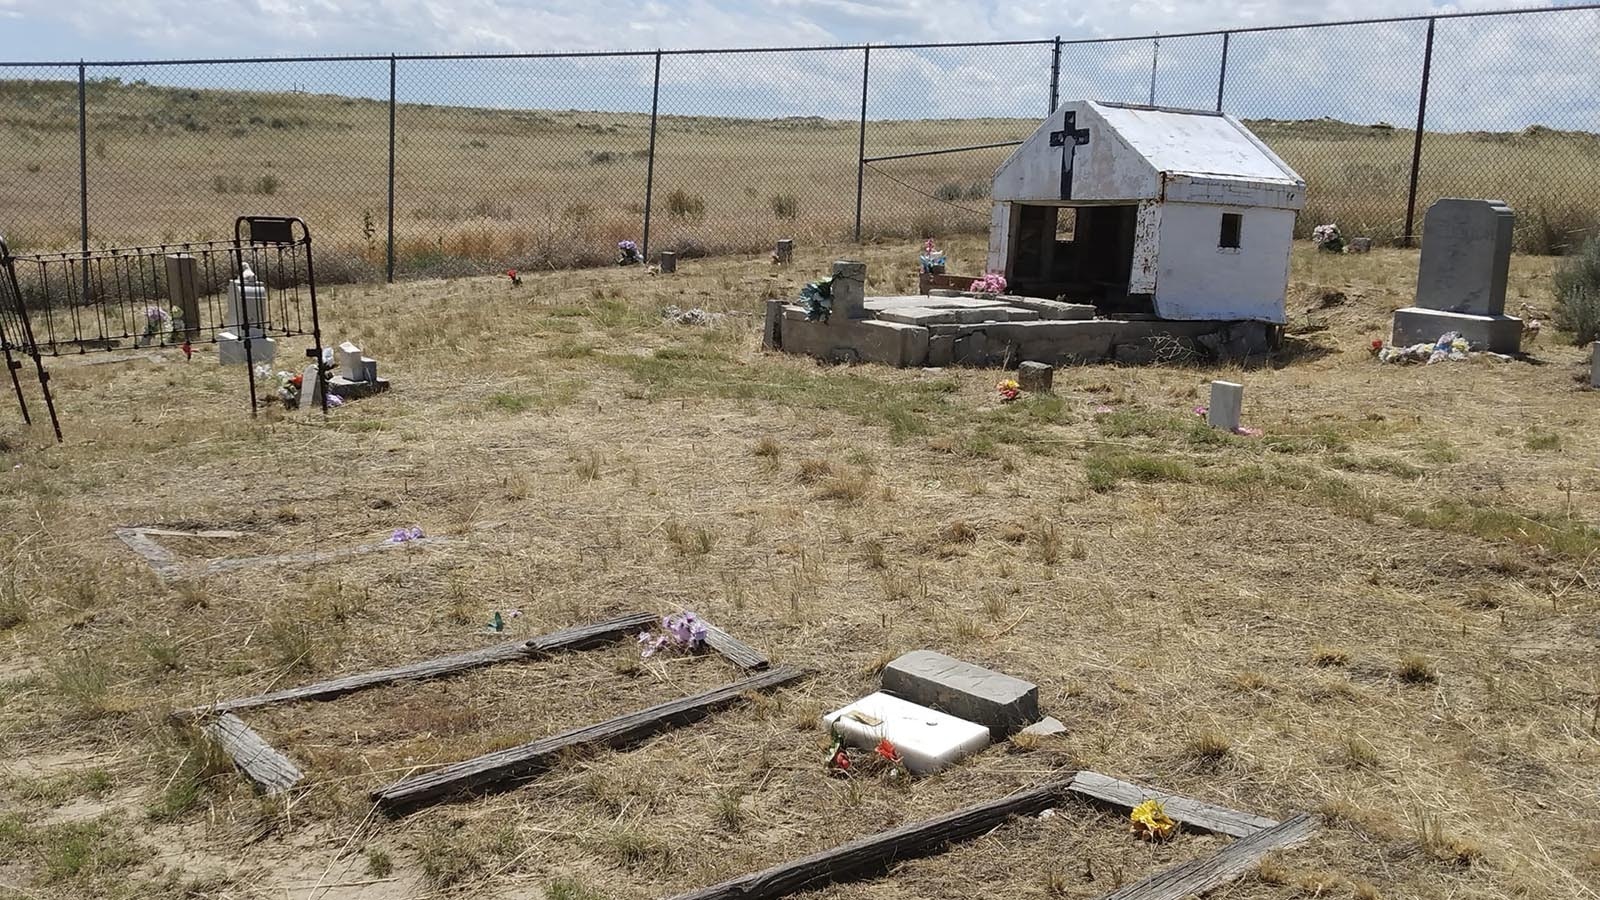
1414	668
1326	657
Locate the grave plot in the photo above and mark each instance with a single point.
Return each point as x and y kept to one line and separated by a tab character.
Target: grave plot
175	553
1199	866
487	728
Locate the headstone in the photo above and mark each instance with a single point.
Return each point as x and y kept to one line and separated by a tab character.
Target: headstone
355	367
849	289
771	326
784	251
247	306
1594	364
184	291
1227	403
1035	377
927	740
1461	279
668	262
1360	245
1466	255
992	699
309	389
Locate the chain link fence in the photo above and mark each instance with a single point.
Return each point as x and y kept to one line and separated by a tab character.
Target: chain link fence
424	166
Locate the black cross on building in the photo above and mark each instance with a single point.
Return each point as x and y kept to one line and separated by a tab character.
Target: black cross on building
1080	136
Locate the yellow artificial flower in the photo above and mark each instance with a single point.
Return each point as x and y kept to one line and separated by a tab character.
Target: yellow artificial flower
1151	822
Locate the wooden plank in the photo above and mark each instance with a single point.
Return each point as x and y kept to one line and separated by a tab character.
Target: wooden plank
514	763
271	771
736	651
1195	814
875	853
1198	876
576	638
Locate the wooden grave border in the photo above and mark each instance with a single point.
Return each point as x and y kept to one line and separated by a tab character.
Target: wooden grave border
1255	837
274	772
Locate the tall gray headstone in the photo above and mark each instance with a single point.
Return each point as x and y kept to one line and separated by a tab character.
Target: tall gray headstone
1466	254
849	289
784	251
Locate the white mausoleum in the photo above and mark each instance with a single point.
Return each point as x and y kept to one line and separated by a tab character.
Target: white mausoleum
1180	214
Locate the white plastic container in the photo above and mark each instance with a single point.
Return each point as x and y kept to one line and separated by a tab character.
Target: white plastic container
927	740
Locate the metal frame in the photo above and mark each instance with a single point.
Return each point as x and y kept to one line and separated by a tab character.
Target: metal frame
80	280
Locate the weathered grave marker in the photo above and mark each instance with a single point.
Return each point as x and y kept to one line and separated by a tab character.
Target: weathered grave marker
246	323
1227	404
1036	377
667	262
358	374
1594	364
1461	278
849	290
995	700
184	292
783	253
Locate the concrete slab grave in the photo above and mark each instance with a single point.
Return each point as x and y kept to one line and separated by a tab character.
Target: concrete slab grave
965	328
997	701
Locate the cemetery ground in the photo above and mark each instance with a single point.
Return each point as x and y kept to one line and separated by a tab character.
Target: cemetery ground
1382	610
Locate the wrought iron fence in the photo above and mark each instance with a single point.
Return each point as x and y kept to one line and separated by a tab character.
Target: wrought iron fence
417	165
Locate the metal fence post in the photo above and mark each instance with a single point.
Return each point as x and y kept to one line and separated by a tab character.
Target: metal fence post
1222	73
861	146
650	164
83	158
1416	146
1055	76
389	253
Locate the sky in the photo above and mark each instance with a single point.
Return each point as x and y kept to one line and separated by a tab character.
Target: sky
1490	74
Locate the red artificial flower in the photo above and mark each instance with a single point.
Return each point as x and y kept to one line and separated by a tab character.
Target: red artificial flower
188	350
840	761
887	751
296	380
1377	344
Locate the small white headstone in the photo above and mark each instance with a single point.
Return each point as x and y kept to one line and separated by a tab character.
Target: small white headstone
1227	403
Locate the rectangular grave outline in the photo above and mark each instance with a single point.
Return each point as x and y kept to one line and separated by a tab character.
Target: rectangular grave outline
273	771
141	539
875	854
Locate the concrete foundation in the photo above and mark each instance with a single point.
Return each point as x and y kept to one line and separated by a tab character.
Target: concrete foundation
1498	334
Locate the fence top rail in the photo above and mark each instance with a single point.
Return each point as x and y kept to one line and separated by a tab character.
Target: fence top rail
624	54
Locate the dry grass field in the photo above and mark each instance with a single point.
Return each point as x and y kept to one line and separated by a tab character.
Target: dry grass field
479	190
1382	610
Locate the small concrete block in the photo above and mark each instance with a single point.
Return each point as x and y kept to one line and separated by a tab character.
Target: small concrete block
1497	334
1035	377
1466	256
1360	245
849	289
667	262
772	326
992	699
1227	404
1049	726
784	251
231	350
927	740
892	343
